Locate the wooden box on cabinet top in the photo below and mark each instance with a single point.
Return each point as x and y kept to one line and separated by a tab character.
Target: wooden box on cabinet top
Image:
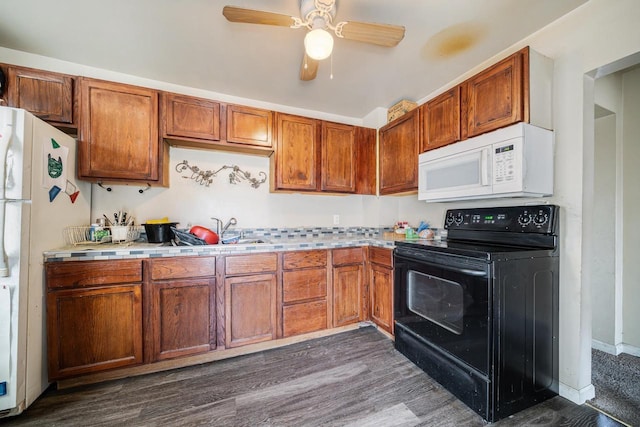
47	95
118	134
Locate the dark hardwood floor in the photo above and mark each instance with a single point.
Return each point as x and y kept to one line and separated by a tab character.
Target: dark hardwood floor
354	378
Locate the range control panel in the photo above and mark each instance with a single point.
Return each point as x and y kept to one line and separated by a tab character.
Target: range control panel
527	219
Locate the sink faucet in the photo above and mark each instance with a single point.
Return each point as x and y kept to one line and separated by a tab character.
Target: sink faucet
220	228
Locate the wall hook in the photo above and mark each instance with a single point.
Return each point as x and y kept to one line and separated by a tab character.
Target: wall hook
142	190
103	187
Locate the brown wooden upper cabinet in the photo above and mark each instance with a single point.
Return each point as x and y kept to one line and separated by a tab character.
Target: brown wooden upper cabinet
118	139
203	123
516	89
316	155
338	158
249	126
441	120
189	118
399	147
494	97
47	95
295	162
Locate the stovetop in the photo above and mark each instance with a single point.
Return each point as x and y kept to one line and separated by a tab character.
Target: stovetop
472	250
487	233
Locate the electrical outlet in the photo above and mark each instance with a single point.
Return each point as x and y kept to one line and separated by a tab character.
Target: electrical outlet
336	220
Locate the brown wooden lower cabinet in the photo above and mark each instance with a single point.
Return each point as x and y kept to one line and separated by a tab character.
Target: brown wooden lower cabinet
181	302
304	292
381	283
94	329
250	315
348	283
184	318
111	314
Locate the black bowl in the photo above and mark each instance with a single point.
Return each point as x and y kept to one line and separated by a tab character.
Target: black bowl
159	233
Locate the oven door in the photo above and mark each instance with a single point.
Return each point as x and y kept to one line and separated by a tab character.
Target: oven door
444	301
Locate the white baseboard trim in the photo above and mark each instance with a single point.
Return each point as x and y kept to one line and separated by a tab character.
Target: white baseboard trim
577	396
606	347
630	349
615	349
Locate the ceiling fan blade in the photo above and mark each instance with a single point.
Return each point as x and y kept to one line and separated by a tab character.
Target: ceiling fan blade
380	34
309	72
250	16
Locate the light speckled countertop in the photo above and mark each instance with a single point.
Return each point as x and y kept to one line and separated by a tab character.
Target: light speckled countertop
142	249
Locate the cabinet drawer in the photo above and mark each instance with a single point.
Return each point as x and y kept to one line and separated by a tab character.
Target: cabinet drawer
381	256
304	317
246	264
92	273
182	267
305	259
347	256
304	284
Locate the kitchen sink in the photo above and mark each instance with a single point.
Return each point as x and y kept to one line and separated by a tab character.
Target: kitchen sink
248	242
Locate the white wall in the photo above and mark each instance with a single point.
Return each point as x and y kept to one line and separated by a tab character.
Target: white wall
188	202
631	208
600	266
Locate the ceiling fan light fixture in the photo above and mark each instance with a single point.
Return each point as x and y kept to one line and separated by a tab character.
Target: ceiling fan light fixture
318	44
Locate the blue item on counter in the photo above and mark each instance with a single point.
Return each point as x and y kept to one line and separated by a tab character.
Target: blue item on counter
423	226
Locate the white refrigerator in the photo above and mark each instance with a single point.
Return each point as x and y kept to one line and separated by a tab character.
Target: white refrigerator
39	198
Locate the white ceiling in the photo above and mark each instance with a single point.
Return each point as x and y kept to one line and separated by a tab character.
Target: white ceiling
190	43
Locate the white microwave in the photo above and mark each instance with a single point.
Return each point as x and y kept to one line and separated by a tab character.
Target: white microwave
516	161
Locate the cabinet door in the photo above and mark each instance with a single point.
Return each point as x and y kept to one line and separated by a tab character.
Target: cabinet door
45	94
399	144
366	161
441	120
338	158
347	294
93	329
249	126
381	296
250	309
189	117
118	132
297	153
183	317
493	98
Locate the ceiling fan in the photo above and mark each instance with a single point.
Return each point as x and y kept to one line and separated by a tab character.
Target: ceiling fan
317	16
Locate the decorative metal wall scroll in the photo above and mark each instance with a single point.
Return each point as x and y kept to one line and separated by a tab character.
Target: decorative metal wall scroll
205	178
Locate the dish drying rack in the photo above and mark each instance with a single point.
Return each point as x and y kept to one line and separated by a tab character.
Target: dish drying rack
81	235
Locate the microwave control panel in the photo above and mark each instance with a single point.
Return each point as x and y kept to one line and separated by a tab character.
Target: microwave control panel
504	159
529	219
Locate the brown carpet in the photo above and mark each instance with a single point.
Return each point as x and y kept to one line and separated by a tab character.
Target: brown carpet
617	383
